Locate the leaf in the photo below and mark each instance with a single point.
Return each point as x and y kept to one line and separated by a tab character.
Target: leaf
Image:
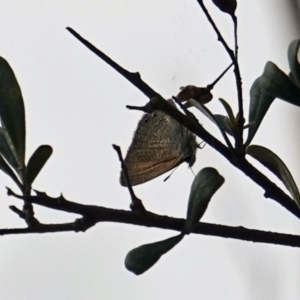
293	61
12	111
36	163
227	6
205	184
225	123
260	101
271	161
142	258
204	110
6	149
7	170
228	110
209	115
279	85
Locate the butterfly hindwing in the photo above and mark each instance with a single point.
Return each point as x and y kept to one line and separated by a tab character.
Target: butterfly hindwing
159	144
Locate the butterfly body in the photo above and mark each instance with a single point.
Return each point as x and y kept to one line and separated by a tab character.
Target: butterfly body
159	144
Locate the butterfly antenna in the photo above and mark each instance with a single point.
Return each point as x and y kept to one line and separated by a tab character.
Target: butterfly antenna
210	86
192	171
170	174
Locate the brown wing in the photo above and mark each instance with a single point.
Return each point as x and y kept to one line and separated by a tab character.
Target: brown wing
159	145
147	164
152	151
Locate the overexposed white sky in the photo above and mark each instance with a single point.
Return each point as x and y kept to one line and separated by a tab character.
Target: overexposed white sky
76	103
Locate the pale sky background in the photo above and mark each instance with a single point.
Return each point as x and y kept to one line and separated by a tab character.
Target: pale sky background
76	103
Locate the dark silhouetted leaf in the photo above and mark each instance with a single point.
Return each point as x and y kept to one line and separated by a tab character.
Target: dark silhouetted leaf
279	85
7	170
227	6
12	111
225	123
6	149
271	161
293	61
228	110
209	115
142	258
260	102
201	95
36	163
205	184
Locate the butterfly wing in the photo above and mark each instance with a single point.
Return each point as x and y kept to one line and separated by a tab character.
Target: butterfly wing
141	167
156	148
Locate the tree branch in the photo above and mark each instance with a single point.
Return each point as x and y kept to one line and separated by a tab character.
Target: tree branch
41	228
134	78
94	214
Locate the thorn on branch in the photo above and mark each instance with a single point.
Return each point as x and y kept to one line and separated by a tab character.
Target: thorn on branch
61	199
40	194
11	193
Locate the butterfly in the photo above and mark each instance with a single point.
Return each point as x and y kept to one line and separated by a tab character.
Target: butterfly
159	144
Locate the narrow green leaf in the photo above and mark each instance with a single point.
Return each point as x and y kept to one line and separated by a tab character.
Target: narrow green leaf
260	101
12	112
225	123
271	161
205	184
36	163
7	170
228	110
209	115
204	110
293	61
142	258
6	149
279	85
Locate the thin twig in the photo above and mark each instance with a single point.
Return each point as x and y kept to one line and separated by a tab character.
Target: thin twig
134	78
17	211
43	228
30	221
211	85
241	121
136	203
236	48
